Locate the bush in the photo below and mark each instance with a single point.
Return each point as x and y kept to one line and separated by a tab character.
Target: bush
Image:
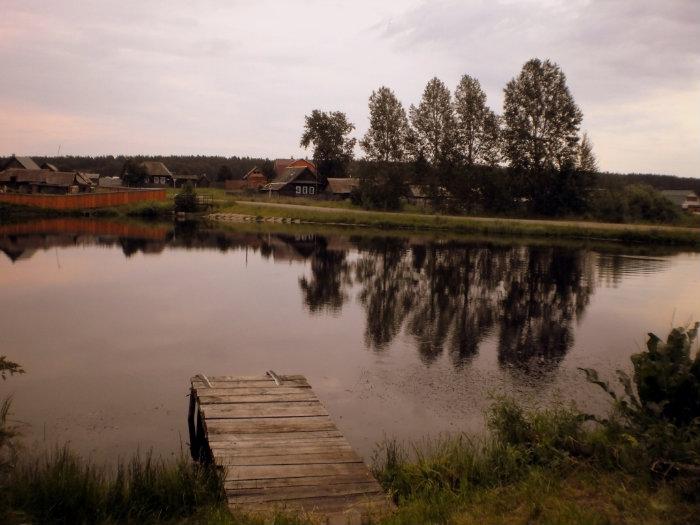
637	202
186	200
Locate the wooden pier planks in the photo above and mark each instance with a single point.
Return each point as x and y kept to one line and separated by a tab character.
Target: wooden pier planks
280	448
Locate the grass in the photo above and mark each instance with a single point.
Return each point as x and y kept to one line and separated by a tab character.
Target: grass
629	233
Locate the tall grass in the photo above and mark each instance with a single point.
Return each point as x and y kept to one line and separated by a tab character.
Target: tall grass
62	487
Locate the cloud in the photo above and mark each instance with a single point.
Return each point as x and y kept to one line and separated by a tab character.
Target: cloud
238	77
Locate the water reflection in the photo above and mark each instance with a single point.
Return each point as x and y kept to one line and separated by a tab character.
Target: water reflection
446	297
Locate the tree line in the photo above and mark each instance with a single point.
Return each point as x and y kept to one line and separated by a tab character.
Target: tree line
530	159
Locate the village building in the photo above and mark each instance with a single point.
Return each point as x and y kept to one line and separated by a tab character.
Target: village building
156	174
47	166
341	188
687	200
280	165
296	181
25	163
254	179
22	180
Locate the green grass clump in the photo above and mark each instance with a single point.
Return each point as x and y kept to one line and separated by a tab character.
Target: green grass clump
65	488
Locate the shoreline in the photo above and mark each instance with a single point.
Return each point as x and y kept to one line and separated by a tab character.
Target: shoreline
254	211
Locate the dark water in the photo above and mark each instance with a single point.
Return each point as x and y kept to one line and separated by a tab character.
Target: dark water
400	336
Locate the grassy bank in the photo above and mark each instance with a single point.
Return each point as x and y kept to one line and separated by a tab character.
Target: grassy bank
629	233
549	465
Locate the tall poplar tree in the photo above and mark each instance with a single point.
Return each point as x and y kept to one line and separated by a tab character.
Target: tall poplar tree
477	125
434	125
387	138
586	160
541	120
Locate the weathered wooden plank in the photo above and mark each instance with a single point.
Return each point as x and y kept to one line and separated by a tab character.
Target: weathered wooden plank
267	425
281	450
264	383
292	377
299	395
271	437
253	391
291	471
269	483
318	504
264	410
313	458
255	495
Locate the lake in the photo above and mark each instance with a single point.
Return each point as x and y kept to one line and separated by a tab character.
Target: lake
401	336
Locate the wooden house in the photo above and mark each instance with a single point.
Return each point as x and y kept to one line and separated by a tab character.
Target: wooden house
25	163
156	174
280	165
298	181
44	181
341	188
254	179
688	200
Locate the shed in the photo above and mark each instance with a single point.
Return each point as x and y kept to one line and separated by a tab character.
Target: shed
26	163
341	187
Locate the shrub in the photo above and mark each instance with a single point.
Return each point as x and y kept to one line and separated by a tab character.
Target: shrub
186	200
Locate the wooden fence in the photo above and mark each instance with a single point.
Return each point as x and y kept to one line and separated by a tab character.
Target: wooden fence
84	200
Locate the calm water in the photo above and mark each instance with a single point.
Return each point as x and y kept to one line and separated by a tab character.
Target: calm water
400	336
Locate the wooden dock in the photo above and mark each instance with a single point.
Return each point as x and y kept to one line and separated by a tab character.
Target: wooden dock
280	449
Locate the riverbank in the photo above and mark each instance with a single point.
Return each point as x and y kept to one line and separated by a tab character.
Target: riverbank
251	211
540	466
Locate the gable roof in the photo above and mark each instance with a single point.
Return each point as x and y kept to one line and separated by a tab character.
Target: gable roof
46	177
342	186
280	165
678	197
254	171
47	166
155	169
26	162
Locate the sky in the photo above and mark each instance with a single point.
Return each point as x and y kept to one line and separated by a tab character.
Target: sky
237	77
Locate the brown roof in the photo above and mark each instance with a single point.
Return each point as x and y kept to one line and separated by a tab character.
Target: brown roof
254	171
26	162
47	166
280	165
155	169
342	186
46	177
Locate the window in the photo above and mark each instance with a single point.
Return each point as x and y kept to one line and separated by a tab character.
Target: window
298	190
311	190
304	190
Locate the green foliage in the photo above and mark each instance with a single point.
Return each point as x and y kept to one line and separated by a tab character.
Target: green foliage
434	124
62	487
388	136
633	203
333	148
186	200
382	186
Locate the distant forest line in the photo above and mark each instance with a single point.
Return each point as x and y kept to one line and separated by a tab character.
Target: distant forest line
111	166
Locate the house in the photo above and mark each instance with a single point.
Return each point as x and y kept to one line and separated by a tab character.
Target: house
280	165
43	181
688	200
20	162
341	188
156	174
235	185
254	179
297	181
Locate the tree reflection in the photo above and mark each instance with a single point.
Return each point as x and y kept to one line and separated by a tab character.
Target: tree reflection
330	276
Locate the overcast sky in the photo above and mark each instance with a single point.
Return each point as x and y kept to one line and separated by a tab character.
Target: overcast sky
237	77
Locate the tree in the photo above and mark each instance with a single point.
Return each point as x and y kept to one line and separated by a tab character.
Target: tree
224	173
329	133
434	125
388	134
133	173
186	200
586	160
541	119
477	125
